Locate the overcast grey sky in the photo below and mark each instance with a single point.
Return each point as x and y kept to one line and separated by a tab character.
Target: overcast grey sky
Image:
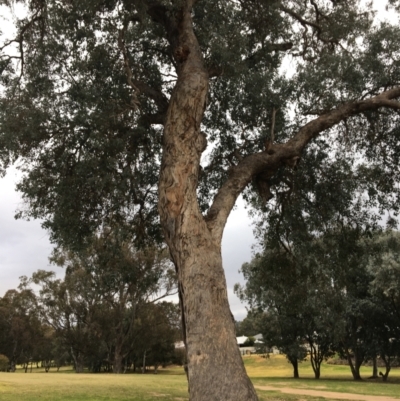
25	246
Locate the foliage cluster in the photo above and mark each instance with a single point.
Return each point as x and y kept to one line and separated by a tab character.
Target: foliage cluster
106	314
4	363
340	296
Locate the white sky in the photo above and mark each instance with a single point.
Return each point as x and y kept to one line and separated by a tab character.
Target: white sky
25	246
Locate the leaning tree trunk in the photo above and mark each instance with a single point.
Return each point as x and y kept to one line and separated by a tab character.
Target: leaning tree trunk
215	367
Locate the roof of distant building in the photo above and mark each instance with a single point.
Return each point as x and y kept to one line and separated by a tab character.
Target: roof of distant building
241	340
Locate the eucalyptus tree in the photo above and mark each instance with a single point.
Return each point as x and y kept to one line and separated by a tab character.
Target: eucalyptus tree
109	106
20	327
311	277
384	266
97	304
157	332
297	314
284	331
70	307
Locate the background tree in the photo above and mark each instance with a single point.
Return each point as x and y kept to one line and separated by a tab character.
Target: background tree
351	309
384	287
250	325
123	95
281	324
158	331
312	276
98	301
20	327
4	363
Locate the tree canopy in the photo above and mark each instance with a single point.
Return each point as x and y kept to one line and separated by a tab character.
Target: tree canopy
155	115
84	105
107	313
336	294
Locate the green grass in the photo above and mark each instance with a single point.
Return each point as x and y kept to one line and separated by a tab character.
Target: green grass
93	387
170	384
275	371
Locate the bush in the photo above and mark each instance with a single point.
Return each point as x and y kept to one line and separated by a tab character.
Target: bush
4	363
249	342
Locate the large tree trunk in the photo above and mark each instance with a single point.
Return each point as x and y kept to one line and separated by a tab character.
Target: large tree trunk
215	367
117	363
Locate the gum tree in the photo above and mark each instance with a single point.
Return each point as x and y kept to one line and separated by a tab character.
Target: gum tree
111	105
100	301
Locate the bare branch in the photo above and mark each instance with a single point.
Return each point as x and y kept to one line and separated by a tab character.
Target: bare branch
37	16
158	97
240	176
307	23
280	47
299	18
214	71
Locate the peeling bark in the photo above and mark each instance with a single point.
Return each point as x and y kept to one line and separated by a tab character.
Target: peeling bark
214	365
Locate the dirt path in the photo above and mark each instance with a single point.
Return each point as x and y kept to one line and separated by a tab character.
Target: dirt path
328	394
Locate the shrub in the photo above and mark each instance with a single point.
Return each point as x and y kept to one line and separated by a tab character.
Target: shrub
4	363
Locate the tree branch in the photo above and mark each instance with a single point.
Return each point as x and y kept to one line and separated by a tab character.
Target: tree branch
129	76
160	15
279	47
157	96
333	117
299	18
240	176
274	110
268	163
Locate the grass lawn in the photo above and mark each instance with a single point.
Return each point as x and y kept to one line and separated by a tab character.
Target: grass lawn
93	387
170	384
276	372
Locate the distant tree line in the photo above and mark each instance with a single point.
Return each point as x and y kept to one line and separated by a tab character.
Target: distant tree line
335	295
107	314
